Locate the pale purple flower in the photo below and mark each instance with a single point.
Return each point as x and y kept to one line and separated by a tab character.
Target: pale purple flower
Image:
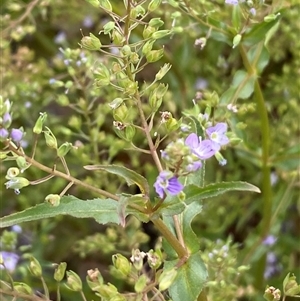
270	240
16	135
166	182
10	260
3	133
6	120
217	133
252	11
232	2
60	38
193	166
273	267
203	149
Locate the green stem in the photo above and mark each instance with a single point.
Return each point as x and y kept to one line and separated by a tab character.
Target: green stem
266	171
172	240
62	175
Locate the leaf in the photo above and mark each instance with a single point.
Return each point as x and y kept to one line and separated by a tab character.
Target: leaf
242	87
190	279
258	32
195	193
190	238
102	210
258	57
129	175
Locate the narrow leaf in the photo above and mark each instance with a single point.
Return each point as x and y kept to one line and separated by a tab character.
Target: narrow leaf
102	210
129	175
195	193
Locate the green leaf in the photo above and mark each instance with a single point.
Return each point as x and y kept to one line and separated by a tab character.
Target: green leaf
102	210
258	32
190	238
129	175
258	56
190	279
242	87
195	193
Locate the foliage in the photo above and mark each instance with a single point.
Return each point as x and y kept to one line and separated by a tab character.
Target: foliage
130	133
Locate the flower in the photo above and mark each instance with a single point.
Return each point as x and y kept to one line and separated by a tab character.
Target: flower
3	133
166	182
16	135
232	2
217	134
9	260
270	240
203	149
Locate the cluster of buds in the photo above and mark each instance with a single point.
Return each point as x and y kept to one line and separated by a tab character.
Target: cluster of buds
187	156
15	135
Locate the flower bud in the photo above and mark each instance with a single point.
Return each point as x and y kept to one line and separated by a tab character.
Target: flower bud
22	163
201	42
95	3
137	11
116	103
131	87
140	283
236	40
134	58
172	124
121	113
161	90
222	161
137	259
38	127
129	132
125	50
271	17
74	282
105	4
17	183
107	291
147	47
12	172
64	149
154	55
16	135
121	263
108	27
3	134
90	42
272	294
156	22
35	267
50	139
117	37
290	285
22	288
4	106
6	120
118	297
154	102
148	31
59	272
153	5
166	278
102	76
53	199
160	34
94	279
154	259
163	71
